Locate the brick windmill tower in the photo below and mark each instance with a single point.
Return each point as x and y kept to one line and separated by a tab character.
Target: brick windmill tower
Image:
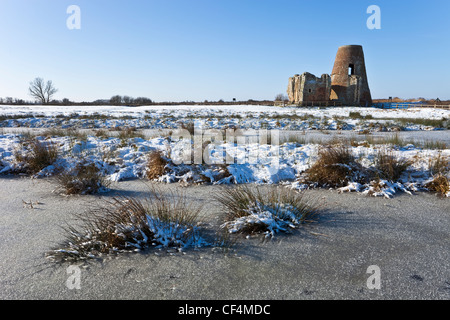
349	83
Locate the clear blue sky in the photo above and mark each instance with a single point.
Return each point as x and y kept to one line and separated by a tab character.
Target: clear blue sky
177	50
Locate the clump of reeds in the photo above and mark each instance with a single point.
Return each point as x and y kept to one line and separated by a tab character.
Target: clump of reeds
439	167
129	224
83	179
389	167
440	184
156	164
439	164
253	210
335	167
37	155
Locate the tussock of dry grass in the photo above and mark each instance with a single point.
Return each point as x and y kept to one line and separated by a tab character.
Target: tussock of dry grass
38	155
101	133
71	132
156	165
389	167
440	184
439	164
335	167
129	224
254	210
83	179
439	168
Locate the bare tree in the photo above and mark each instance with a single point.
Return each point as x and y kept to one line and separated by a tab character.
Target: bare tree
127	100
42	91
116	100
142	101
281	97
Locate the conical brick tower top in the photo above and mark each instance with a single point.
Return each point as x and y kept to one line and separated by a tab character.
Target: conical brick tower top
349	79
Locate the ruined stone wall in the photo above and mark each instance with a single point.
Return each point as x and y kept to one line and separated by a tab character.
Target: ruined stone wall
308	87
347	84
293	89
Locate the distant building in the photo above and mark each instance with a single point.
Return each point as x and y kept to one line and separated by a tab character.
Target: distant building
307	87
347	84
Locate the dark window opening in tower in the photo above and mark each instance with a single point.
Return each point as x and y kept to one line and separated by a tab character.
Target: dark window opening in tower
310	90
351	69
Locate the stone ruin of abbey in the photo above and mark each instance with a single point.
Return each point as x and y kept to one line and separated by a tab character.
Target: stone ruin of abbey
347	84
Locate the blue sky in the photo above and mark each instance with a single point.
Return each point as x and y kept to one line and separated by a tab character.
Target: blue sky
177	50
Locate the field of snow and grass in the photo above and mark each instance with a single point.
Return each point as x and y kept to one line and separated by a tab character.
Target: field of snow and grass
117	150
119	159
219	117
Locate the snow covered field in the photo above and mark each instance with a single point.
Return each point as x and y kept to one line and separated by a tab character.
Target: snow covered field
209	111
260	161
219	117
120	159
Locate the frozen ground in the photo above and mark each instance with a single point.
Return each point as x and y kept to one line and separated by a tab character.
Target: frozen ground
406	237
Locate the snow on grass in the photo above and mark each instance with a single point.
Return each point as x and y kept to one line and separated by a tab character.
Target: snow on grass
133	224
382	188
120	159
254	210
209	111
272	220
219	117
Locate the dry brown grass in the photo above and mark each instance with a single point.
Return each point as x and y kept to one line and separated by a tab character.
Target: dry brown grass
439	167
156	165
284	205
127	224
83	179
38	155
439	164
130	133
389	167
335	167
101	133
71	132
440	185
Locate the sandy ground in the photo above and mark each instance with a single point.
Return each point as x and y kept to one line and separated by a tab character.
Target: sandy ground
407	237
